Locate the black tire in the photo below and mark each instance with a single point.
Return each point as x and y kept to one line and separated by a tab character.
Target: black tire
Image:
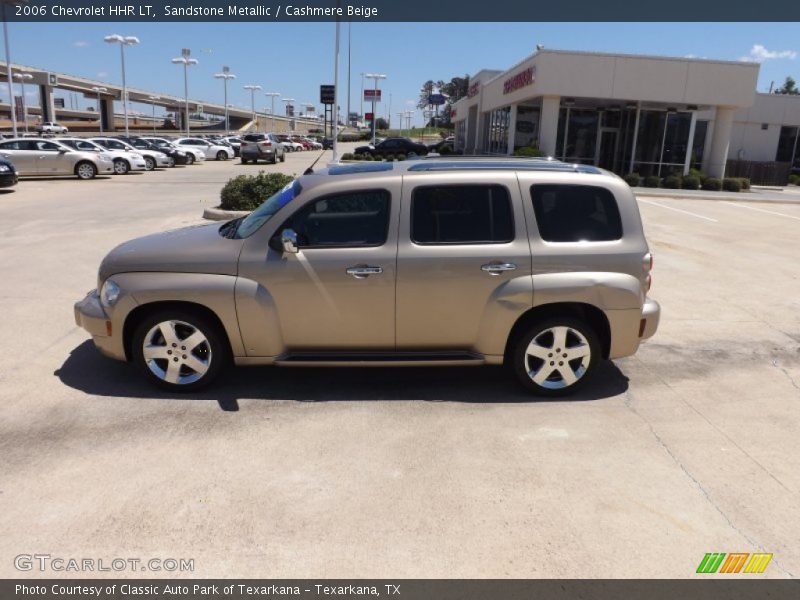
553	365
222	155
190	159
85	170
121	167
149	163
171	162
215	350
274	160
244	161
283	156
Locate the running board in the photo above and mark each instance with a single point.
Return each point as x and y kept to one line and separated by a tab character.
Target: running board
369	359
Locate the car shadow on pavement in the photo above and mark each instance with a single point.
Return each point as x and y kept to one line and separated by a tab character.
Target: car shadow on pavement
86	370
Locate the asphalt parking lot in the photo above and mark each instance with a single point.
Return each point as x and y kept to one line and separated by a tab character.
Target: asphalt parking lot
692	446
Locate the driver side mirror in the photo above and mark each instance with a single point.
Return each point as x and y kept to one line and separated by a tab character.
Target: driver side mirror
62	150
289	241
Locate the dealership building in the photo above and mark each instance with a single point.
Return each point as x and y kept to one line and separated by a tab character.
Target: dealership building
627	113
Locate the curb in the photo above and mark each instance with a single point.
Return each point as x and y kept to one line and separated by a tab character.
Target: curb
217	214
726	196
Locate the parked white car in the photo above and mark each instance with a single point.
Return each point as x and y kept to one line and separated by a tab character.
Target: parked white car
289	145
124	161
152	158
51	127
213	151
193	154
45	158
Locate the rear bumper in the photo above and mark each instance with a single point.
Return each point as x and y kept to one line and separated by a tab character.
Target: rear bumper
163	161
89	315
651	315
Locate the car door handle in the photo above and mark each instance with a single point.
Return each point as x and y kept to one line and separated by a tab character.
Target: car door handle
497	268
362	272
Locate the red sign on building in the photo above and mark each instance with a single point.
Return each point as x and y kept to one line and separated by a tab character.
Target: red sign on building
520	80
473	89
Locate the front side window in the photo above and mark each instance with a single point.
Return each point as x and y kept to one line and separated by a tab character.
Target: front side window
461	214
343	220
48	146
576	213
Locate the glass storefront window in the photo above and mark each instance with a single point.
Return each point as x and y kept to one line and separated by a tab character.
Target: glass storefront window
581	136
662	142
496	131
699	144
787	144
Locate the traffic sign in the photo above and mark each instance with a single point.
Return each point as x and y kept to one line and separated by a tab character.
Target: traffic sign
327	94
437	99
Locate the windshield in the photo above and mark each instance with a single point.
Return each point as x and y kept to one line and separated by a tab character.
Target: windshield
253	222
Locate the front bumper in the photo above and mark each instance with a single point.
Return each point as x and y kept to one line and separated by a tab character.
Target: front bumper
8	180
139	166
163	161
90	315
651	315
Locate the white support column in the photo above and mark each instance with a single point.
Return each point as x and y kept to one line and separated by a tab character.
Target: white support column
512	128
47	103
687	164
721	141
548	124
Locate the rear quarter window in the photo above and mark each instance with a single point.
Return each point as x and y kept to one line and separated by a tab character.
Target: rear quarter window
576	213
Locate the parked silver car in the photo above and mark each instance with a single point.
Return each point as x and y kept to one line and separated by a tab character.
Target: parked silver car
194	155
212	151
41	158
539	265
150	158
124	161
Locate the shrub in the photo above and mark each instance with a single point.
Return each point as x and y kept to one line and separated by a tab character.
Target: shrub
712	184
525	151
745	181
699	174
247	192
794	179
633	179
400	157
445	149
389	157
690	182
672	182
731	184
652	181
348	156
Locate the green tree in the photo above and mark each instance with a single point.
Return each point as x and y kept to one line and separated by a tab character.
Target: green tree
789	87
381	123
454	90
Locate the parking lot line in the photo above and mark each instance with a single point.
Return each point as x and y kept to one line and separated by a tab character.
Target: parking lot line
769	212
680	210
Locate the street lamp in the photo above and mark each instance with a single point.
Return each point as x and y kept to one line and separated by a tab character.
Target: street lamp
153	100
253	89
186	62
400	118
272	96
23	77
9	78
100	90
225	76
123	41
376	77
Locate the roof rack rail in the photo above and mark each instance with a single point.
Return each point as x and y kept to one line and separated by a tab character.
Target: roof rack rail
507	164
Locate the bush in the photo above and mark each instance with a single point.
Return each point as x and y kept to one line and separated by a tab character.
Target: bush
247	192
446	150
652	181
698	174
731	184
690	182
672	182
712	184
794	179
528	151
389	157
633	179
400	157
348	156
745	181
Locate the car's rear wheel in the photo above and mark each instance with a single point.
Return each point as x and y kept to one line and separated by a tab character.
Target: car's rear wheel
274	160
283	156
121	167
222	155
85	170
190	159
170	162
555	357
149	163
179	350
244	161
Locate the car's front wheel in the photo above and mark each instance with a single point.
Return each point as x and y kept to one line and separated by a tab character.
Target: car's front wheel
121	167
85	170
555	357
149	163
222	155
190	159
179	351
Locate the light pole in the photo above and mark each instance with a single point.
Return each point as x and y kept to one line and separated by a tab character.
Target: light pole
349	37
186	62
225	76
288	102
9	77
253	88
376	77
400	118
127	40
153	100
100	90
362	96
23	77
272	96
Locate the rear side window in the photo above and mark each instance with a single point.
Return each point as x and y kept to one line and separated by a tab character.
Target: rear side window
461	214
254	137
576	213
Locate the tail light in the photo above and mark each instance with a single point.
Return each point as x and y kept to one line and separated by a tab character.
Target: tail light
266	144
647	267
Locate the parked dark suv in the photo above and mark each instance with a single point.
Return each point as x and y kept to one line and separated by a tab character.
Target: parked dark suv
394	145
264	146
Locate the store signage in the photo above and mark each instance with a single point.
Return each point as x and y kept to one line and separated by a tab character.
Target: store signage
436	99
473	89
327	94
368	116
372	95
520	80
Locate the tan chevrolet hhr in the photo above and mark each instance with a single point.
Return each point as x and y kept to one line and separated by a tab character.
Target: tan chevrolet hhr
540	265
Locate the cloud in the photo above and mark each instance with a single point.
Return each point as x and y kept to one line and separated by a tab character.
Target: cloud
80	44
759	53
102	74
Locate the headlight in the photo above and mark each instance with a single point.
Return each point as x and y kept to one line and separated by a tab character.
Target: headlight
109	293
137	156
4	169
105	158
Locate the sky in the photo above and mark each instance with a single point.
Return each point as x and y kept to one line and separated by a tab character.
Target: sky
295	58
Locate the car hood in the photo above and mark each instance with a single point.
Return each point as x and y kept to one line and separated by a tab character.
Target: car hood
198	249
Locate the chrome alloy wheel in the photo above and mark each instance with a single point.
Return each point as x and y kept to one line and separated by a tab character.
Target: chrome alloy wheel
558	357
86	171
176	352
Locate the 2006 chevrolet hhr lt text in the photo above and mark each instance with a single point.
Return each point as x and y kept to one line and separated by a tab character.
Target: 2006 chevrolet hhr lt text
537	264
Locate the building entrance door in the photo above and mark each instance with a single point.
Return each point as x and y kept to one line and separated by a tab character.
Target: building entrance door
606	157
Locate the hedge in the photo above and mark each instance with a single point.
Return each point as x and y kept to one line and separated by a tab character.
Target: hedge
712	184
672	182
247	192
731	184
652	181
690	182
633	179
